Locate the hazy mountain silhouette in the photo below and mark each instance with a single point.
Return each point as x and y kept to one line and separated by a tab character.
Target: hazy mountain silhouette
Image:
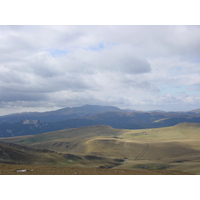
32	124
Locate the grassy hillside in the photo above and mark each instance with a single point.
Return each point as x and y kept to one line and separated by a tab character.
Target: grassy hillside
170	148
15	154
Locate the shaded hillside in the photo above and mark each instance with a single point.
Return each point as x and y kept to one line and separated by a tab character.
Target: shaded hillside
176	120
26	127
16	154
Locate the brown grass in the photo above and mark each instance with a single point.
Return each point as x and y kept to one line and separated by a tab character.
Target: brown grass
6	169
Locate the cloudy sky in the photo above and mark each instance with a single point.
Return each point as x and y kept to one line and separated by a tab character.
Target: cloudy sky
137	67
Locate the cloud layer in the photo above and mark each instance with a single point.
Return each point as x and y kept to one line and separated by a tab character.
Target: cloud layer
137	67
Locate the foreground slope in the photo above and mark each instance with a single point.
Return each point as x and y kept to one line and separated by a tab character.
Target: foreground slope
6	169
171	148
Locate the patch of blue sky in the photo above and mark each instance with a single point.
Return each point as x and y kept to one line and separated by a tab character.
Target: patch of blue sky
193	58
176	71
177	68
57	52
96	48
100	46
175	90
197	60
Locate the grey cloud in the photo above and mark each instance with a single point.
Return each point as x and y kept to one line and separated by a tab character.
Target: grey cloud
133	65
50	85
125	59
13	77
16	96
141	85
115	58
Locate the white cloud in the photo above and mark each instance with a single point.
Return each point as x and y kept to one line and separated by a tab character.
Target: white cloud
126	66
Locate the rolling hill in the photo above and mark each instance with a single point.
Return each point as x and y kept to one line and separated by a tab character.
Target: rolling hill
170	148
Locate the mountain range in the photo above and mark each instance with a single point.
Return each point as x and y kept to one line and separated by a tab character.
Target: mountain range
57	115
33	123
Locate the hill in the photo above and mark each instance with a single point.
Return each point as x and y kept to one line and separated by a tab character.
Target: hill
170	148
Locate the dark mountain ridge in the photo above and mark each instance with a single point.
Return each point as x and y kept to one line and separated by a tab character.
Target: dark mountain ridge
58	115
117	119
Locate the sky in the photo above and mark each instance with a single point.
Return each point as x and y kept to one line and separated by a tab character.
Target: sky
129	66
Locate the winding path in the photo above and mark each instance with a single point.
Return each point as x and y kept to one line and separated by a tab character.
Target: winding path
143	152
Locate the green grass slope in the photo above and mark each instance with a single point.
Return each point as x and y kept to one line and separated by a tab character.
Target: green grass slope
171	148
